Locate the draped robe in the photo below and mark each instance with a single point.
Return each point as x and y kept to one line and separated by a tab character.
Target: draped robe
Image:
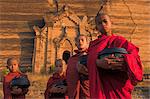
6	86
109	84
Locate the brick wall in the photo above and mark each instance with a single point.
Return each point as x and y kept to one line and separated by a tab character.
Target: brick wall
18	17
16	34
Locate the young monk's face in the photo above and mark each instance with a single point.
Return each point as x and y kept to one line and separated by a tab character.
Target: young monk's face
103	24
13	66
81	42
59	67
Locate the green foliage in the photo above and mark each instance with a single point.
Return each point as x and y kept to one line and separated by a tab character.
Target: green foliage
51	69
25	69
43	70
5	71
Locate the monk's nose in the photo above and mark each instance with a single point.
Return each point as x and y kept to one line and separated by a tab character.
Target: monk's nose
112	55
103	23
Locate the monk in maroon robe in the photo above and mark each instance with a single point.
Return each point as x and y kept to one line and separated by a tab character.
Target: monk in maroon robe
14	92
56	85
77	74
56	78
111	77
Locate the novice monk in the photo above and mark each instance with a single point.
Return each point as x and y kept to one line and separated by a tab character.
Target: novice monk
56	85
13	92
112	77
77	74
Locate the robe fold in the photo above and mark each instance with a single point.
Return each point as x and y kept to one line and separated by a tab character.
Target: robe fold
77	88
72	78
113	84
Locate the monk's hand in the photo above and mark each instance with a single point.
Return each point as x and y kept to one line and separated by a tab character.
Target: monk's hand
82	69
62	89
53	89
112	63
25	90
58	89
103	63
16	90
115	63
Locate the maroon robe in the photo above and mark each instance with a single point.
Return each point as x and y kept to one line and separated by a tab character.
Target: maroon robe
76	88
109	84
6	86
53	80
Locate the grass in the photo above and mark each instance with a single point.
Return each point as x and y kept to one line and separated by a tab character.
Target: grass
38	86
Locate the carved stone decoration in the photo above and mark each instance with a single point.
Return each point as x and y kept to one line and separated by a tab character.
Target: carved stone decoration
50	2
56	42
82	25
66	45
62	28
39	49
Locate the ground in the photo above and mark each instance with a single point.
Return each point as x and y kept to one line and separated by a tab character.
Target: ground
38	85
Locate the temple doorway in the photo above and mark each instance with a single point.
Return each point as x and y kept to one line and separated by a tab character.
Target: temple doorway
66	55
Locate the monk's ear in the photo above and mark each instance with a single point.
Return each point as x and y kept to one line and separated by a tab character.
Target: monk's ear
111	21
7	67
75	44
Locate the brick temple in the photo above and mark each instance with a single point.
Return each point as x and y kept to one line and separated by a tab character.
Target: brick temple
39	31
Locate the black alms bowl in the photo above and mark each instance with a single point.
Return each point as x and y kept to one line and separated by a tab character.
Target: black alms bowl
83	60
21	82
118	52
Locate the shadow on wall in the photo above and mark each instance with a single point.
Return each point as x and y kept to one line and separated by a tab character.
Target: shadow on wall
27	45
39	23
27	48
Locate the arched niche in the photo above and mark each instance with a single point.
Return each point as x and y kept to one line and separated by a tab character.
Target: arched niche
66	55
65	50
